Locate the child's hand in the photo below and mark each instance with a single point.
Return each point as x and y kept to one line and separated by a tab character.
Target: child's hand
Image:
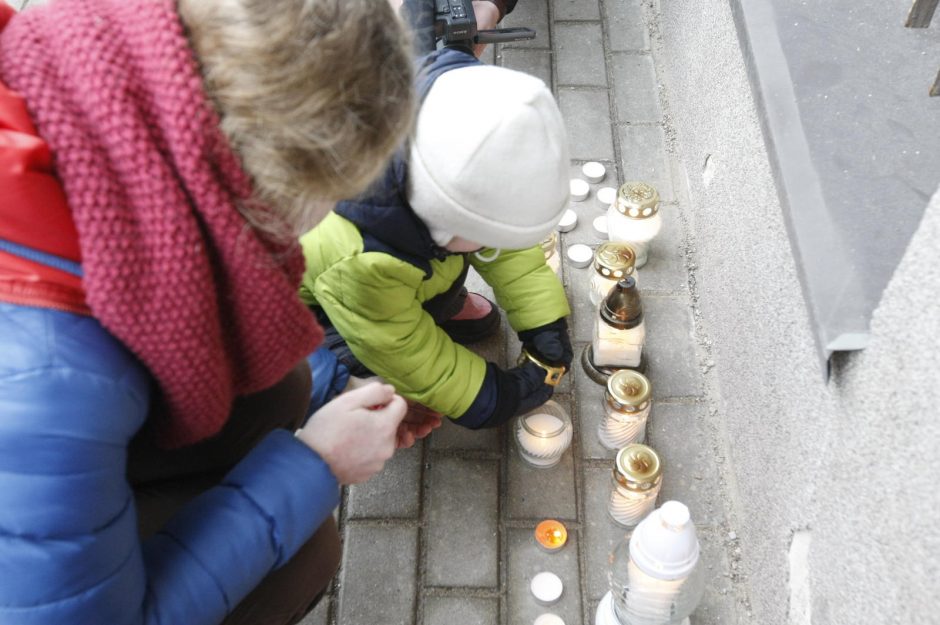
357	432
419	421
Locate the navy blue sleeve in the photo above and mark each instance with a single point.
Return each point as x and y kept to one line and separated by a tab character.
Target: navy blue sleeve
505	394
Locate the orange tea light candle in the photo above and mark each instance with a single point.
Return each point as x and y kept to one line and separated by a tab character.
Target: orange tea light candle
551	535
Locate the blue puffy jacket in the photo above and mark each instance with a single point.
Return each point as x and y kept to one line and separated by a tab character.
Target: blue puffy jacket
71	398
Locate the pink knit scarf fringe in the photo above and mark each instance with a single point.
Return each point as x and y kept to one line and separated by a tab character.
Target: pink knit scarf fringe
170	267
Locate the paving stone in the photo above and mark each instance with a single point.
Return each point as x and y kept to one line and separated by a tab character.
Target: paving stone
626	26
601	534
636	90
587	118
378	575
451	436
319	615
579	55
690	473
460	611
526	559
541	493
538	63
670	348
462	523
576	10
590	412
643	157
529	14
664	271
394	492
717	606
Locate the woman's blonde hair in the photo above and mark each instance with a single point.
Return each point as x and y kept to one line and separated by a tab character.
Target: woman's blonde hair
314	95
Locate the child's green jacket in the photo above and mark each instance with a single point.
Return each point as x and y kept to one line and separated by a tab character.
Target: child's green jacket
372	267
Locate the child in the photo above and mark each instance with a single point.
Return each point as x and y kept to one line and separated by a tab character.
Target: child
483	181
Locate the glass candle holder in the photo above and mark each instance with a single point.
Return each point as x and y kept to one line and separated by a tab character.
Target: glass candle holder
627	405
551	535
550	250
543	435
634	218
637	478
619	330
612	262
657	576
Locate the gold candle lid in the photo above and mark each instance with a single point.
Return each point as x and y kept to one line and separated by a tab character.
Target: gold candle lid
548	244
628	390
614	260
637	200
638	467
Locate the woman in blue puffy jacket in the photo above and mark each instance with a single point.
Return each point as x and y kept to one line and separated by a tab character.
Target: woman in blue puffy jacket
157	158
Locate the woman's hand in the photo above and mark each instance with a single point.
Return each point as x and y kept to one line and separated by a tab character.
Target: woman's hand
357	432
487	14
419	421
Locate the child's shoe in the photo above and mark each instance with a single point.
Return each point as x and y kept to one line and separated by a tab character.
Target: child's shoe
478	319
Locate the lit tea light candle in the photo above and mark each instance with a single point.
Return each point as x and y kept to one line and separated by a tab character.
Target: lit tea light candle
544	434
551	535
546	587
606	196
627	403
594	171
612	263
635	218
579	190
637	478
550	250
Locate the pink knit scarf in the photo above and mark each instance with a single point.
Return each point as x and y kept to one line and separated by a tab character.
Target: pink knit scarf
170	267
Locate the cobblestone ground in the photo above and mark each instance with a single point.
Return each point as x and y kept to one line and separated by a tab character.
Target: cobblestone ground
443	536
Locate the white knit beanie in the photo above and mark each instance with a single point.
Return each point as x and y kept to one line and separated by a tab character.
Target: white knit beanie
489	160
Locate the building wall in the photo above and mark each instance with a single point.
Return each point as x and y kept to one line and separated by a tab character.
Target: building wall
806	457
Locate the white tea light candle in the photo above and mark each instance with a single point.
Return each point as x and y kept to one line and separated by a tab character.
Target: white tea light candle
579	190
548	619
600	227
594	171
546	587
580	255
568	221
544	434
